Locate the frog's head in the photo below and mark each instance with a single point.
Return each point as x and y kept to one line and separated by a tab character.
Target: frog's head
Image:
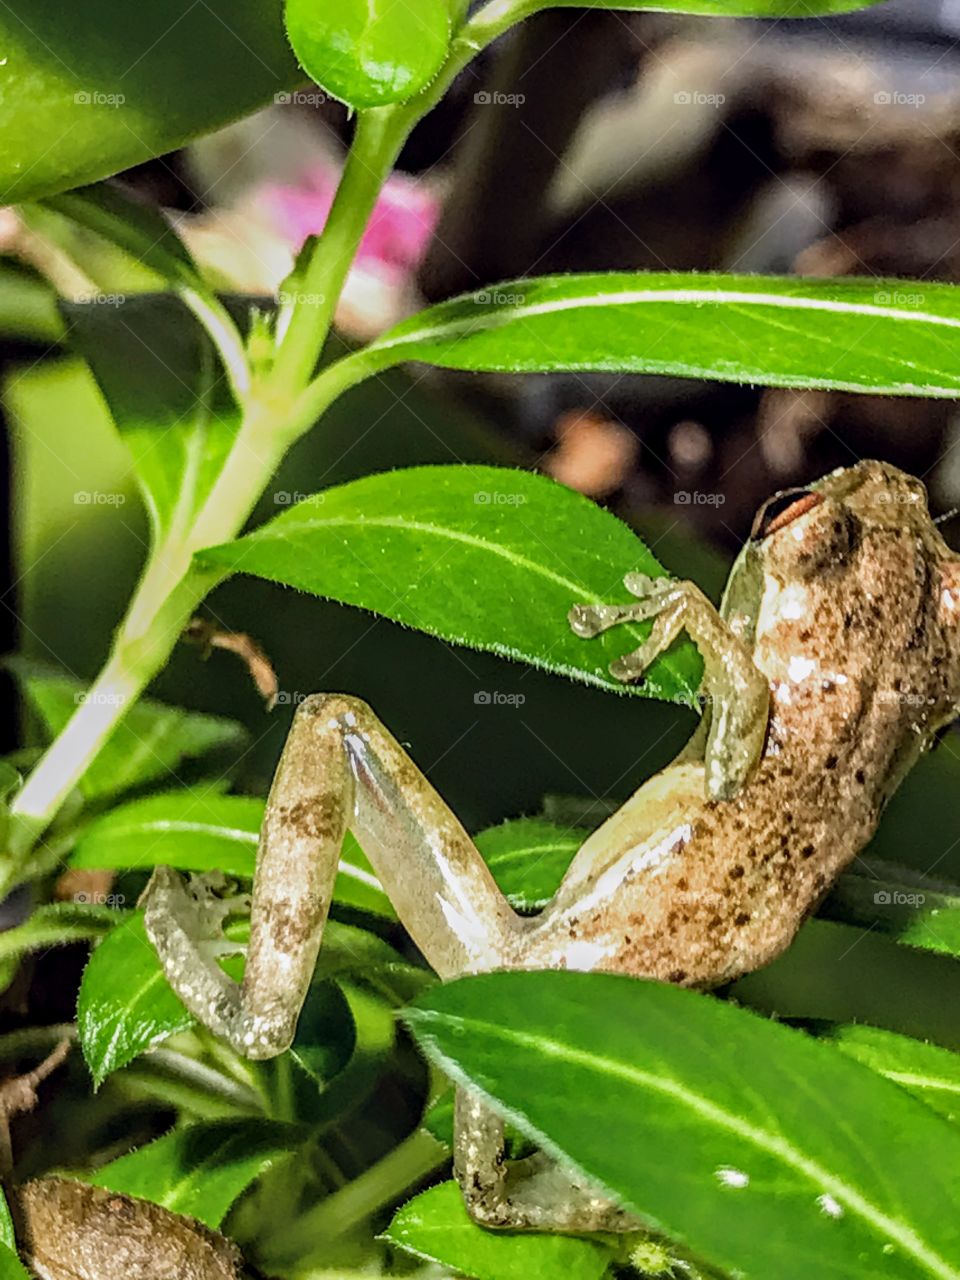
856	561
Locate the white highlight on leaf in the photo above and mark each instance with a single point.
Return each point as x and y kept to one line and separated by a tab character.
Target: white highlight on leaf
829	1206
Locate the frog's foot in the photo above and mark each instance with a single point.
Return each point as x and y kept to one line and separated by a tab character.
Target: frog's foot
534	1194
589	620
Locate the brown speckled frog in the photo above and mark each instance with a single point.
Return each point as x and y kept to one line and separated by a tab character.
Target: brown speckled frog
833	661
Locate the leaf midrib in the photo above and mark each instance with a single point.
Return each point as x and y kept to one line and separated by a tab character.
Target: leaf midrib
784	1151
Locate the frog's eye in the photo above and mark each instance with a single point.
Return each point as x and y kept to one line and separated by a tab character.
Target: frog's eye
782	509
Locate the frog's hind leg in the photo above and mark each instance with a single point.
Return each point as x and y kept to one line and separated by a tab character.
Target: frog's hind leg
538	1193
340	768
737	692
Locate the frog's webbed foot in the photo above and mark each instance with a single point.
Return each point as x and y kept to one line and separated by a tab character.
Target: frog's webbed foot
735	691
534	1194
339	768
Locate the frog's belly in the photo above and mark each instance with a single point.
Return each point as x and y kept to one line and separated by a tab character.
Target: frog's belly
709	892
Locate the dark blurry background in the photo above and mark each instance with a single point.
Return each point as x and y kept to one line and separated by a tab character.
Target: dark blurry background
584	141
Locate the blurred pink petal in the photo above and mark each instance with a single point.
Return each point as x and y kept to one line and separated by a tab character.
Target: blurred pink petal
398	233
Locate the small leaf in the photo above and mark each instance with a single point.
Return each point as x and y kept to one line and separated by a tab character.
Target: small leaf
126	1005
435	1226
482	556
927	1071
163	385
151	742
7	1235
11	1268
53	925
197	831
140	230
759	1149
368	54
895	337
528	858
201	1169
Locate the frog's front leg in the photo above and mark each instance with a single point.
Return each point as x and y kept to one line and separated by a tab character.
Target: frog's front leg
738	694
340	768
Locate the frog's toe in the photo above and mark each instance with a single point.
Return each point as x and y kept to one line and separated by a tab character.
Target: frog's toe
630	667
588	620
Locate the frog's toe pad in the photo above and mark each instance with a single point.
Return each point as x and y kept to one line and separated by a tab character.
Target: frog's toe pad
586	620
630	667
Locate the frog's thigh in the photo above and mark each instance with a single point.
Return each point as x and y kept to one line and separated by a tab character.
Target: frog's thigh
535	1194
340	768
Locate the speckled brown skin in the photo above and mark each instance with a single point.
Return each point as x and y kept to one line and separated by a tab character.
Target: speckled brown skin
857	634
832	663
71	1231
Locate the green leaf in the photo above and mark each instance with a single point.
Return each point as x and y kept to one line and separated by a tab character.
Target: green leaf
435	1226
368	54
326	1036
197	831
201	1169
190	830
11	1268
760	1149
151	741
726	8
925	1070
528	858
138	229
917	910
7	1235
125	1005
482	556
891	336
53	925
91	89
164	387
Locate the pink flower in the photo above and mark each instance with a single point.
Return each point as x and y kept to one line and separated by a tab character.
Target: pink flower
398	233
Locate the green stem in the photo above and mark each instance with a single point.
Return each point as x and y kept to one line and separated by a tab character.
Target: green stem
414	1159
376	144
277	409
